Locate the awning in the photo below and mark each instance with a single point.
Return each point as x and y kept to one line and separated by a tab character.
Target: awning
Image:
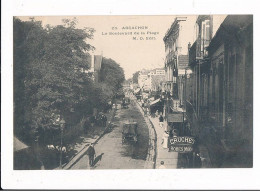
154	102
18	145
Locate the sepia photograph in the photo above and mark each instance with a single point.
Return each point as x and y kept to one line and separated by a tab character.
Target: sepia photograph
132	92
112	95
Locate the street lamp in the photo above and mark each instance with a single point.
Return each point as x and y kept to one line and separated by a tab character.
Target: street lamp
62	124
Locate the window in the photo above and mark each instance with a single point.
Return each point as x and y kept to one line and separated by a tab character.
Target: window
205	37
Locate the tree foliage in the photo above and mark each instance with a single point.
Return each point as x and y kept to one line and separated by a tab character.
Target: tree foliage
49	74
135	77
112	74
111	77
51	79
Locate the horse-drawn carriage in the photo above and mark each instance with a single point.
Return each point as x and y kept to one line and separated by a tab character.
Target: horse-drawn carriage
125	102
129	132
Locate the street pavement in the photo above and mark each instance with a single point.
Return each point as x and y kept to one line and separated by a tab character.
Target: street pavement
79	147
111	153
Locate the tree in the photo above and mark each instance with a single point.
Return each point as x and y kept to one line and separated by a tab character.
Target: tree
135	77
28	40
111	77
112	74
49	76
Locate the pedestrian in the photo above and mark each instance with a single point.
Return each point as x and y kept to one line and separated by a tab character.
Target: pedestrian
161	121
165	139
174	133
145	112
91	154
92	120
162	165
197	160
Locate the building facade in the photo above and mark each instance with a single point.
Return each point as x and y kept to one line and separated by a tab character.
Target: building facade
176	49
149	80
142	78
196	87
94	71
219	89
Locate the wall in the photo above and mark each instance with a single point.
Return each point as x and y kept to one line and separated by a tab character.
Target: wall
186	34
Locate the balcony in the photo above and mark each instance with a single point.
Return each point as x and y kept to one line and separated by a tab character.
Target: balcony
198	50
171	57
170	89
167	86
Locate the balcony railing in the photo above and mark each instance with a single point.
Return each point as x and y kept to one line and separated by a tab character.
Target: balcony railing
170	89
198	50
171	56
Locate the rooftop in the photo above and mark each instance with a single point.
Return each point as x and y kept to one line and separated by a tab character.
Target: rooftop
174	26
230	29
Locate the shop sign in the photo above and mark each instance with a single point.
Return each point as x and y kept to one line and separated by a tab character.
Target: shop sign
182	144
175	117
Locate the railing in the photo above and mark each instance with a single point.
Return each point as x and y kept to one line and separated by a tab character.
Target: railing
169	86
170	89
170	57
196	52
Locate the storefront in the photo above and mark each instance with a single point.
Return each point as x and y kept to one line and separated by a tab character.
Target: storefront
156	106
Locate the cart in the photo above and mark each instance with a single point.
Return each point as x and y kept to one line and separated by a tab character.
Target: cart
125	102
129	132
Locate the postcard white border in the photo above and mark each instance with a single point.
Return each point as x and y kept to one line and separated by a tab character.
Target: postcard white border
184	179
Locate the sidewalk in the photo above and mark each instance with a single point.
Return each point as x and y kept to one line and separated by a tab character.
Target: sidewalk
170	158
81	147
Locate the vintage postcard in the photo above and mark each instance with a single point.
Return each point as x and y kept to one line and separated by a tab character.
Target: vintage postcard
123	100
133	92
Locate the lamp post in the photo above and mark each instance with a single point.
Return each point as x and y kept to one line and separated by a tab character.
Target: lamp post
62	124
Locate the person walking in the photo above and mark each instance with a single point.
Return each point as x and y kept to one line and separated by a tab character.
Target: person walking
91	154
161	121
157	113
165	139
162	165
145	112
197	160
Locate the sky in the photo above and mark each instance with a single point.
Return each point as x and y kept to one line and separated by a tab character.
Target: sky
132	55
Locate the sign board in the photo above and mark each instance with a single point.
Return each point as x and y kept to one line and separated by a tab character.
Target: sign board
181	144
175	117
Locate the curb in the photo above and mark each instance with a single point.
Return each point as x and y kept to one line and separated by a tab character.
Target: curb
82	152
152	138
155	143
